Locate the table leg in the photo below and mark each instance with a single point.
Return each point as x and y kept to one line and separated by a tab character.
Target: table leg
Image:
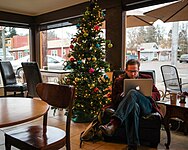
167	129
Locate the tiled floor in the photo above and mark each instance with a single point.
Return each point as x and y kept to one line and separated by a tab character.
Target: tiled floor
179	141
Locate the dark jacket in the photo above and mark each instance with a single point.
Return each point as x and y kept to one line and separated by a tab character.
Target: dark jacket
118	89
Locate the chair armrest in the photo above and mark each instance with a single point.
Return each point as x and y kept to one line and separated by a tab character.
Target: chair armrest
152	116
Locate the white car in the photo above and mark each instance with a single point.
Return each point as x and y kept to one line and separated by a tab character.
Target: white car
53	63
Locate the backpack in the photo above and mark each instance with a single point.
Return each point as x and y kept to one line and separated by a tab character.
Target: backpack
93	132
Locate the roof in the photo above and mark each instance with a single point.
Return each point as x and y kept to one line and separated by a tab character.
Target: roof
51	44
151	45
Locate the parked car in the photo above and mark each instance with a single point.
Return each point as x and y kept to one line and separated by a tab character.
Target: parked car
53	63
9	57
183	58
143	58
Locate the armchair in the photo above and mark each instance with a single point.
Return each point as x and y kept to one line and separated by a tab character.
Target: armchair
149	125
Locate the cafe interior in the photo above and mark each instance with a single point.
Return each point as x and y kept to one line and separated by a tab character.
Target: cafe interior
38	17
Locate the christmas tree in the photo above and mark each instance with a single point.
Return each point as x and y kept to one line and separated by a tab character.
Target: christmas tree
88	65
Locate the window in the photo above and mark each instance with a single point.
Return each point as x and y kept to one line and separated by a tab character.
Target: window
56	42
54	53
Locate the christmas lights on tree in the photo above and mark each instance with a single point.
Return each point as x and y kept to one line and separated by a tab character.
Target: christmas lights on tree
88	65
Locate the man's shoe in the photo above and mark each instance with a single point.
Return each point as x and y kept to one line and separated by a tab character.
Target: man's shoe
132	147
108	129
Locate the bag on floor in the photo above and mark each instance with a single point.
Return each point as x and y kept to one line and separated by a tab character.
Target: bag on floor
92	132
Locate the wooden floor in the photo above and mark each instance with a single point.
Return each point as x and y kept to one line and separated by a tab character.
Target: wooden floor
179	141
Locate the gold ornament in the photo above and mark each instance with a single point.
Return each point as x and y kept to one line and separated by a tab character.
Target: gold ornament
85	34
77	79
110	45
92	85
94	58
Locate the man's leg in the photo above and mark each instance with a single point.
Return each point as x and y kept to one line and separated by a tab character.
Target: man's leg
128	103
132	106
131	126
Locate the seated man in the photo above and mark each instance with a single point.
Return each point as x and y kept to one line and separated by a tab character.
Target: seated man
131	106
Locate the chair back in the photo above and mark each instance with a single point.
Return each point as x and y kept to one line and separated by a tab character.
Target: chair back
151	73
33	77
56	95
117	73
7	73
60	96
171	78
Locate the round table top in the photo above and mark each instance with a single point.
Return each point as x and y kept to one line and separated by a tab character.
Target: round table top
16	110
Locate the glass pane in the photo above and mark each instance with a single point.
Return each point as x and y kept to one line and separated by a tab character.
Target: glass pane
14	47
55	46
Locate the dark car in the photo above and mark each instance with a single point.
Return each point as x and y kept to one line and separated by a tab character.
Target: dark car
183	58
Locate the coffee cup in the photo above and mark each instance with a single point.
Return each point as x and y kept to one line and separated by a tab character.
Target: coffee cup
182	98
173	98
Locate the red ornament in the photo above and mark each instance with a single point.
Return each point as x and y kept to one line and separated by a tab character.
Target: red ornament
110	88
74	40
91	70
71	46
96	27
108	95
96	89
72	59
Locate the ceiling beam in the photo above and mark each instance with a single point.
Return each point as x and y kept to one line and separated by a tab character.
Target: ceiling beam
15	19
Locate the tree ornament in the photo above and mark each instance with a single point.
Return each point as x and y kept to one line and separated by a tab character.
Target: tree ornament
71	46
85	34
97	45
74	40
110	45
87	13
71	58
94	58
91	70
96	89
78	25
96	27
68	67
79	62
77	79
105	77
92	85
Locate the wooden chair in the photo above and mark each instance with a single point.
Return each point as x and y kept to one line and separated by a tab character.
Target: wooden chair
33	77
43	137
9	79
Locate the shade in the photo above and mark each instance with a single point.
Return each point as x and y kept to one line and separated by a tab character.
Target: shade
171	13
139	20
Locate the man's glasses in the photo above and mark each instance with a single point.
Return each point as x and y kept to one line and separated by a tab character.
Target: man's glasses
132	71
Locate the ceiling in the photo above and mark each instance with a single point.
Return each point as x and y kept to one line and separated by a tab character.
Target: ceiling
36	7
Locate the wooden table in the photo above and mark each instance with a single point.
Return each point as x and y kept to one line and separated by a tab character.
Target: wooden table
53	75
16	110
178	110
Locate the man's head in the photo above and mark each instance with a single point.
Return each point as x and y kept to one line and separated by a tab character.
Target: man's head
132	68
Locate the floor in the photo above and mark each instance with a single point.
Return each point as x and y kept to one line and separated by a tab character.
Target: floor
179	140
